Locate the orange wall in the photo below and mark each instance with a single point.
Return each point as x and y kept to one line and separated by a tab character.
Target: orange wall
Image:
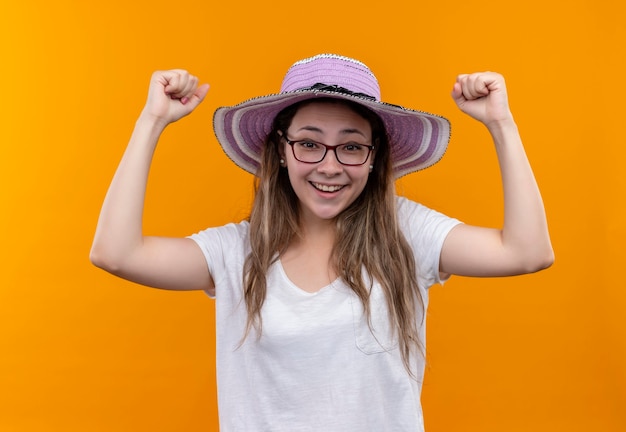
83	351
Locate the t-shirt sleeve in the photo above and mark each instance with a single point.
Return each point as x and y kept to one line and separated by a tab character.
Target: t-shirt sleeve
425	230
224	249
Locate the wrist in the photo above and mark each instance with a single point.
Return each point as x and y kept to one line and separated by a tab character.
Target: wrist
147	132
499	126
151	123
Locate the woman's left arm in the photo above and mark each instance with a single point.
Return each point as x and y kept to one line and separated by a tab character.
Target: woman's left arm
523	244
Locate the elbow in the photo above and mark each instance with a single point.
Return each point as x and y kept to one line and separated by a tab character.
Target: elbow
96	258
104	260
539	260
549	259
544	262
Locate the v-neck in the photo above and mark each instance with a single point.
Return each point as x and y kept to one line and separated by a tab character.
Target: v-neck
290	283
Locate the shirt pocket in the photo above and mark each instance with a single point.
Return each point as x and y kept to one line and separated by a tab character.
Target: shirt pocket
378	336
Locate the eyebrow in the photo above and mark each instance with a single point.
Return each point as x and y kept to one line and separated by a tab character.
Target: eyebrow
343	131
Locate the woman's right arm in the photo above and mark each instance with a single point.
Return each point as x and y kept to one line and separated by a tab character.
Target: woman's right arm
119	245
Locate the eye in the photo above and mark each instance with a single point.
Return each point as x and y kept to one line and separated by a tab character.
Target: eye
352	148
308	145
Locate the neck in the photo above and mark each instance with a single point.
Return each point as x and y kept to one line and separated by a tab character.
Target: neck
316	237
318	230
307	259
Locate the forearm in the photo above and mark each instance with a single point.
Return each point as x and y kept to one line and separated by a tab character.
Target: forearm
525	229
119	230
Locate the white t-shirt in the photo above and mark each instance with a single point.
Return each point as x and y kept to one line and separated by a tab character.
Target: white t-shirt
317	365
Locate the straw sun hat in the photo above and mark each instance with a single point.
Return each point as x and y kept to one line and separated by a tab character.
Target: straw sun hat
417	139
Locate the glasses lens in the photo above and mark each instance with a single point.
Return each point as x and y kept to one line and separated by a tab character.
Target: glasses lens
308	151
352	154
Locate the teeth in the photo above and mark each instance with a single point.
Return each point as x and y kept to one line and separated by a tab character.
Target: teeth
326	188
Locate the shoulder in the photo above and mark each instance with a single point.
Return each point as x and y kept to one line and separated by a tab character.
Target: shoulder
426	230
422	224
412	212
224	249
239	229
407	207
232	236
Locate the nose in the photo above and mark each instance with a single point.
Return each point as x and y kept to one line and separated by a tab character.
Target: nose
330	164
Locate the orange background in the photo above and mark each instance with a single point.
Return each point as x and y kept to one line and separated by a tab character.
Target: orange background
83	351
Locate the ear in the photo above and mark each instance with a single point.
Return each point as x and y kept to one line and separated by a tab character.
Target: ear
281	145
373	153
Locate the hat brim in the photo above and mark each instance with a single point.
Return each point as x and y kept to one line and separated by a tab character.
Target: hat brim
417	139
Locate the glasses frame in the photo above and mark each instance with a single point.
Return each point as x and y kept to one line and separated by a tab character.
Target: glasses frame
326	148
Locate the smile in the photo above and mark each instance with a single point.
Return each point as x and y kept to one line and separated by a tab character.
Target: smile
326	188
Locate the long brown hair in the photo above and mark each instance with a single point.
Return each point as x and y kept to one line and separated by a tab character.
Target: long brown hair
367	235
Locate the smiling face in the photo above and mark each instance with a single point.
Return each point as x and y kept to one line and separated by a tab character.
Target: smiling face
326	188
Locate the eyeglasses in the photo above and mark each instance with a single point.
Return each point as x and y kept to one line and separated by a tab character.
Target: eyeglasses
309	151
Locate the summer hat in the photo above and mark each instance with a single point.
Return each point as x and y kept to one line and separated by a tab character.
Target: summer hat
417	139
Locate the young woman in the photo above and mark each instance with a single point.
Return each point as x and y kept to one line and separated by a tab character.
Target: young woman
321	294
